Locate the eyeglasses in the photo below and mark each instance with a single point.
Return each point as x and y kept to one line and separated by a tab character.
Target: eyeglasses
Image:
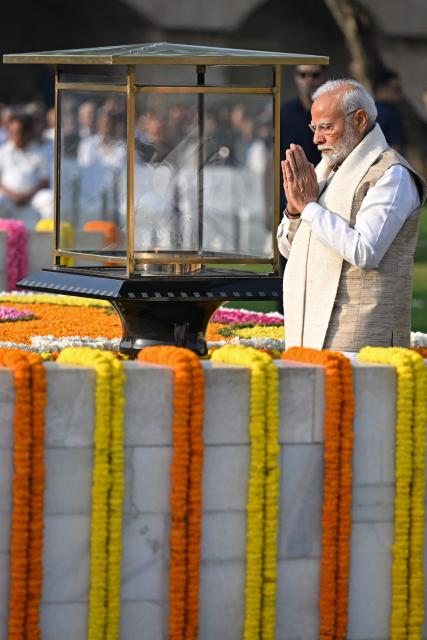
309	74
327	127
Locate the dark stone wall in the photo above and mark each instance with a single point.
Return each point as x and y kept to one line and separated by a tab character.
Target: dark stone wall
303	27
47	25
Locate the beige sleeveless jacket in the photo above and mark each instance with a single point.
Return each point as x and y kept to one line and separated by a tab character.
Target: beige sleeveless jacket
328	302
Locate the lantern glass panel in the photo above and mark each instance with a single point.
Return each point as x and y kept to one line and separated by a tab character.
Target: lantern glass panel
92	166
204	174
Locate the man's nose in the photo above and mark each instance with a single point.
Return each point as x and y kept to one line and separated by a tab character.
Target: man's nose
318	137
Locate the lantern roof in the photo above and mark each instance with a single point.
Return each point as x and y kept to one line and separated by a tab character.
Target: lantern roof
158	53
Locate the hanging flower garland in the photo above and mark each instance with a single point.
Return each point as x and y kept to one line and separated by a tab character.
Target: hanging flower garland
186	486
337	487
263	490
407	606
17	251
26	547
107	490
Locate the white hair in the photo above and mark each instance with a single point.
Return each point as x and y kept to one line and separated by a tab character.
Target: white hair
356	96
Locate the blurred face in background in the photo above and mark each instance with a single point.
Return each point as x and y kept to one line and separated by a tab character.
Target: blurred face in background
308	77
50	118
105	124
86	115
19	133
389	92
6	116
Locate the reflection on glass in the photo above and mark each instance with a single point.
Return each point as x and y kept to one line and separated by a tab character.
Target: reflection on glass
166	134
204	184
92	165
203	176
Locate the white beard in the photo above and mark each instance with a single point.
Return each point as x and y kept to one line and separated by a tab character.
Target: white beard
342	149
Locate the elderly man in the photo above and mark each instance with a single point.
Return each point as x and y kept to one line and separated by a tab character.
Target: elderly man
349	230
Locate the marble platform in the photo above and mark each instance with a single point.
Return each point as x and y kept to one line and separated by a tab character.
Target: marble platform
70	417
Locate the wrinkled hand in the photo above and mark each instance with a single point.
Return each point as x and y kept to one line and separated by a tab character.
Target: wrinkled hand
299	179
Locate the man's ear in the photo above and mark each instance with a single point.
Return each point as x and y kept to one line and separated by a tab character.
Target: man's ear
361	120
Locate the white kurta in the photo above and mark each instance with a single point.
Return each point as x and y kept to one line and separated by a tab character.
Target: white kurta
384	209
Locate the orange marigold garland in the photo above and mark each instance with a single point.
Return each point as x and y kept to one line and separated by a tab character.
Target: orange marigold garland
345	495
26	546
337	494
186	489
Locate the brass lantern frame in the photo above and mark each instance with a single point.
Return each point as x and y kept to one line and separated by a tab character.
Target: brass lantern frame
164	54
154	307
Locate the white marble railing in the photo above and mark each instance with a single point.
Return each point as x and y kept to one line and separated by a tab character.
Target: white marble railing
70	418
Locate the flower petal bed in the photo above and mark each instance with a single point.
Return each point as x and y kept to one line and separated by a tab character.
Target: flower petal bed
237	316
54	322
11	314
58	317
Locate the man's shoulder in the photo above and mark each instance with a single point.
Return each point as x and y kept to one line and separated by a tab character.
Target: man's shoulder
391	158
292	106
391	165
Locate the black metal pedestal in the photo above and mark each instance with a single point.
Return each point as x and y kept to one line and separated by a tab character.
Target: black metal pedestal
175	323
171	310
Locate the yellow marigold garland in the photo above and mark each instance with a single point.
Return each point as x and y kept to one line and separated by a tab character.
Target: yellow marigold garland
186	490
107	489
407	606
272	486
263	490
337	487
26	548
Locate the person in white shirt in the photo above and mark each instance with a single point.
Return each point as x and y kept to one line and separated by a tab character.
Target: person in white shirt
24	174
349	230
102	161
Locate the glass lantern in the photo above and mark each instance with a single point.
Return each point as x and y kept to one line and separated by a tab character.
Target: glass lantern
172	151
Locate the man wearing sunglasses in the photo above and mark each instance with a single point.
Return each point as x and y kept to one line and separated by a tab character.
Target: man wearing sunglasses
295	115
349	230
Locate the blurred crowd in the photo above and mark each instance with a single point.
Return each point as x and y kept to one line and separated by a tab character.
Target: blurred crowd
26	163
93	149
93	152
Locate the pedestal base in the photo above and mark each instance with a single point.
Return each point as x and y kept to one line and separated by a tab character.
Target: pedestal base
176	322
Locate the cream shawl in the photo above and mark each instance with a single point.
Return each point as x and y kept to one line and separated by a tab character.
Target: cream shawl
313	269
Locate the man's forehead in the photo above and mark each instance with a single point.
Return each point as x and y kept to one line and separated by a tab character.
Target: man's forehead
328	105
